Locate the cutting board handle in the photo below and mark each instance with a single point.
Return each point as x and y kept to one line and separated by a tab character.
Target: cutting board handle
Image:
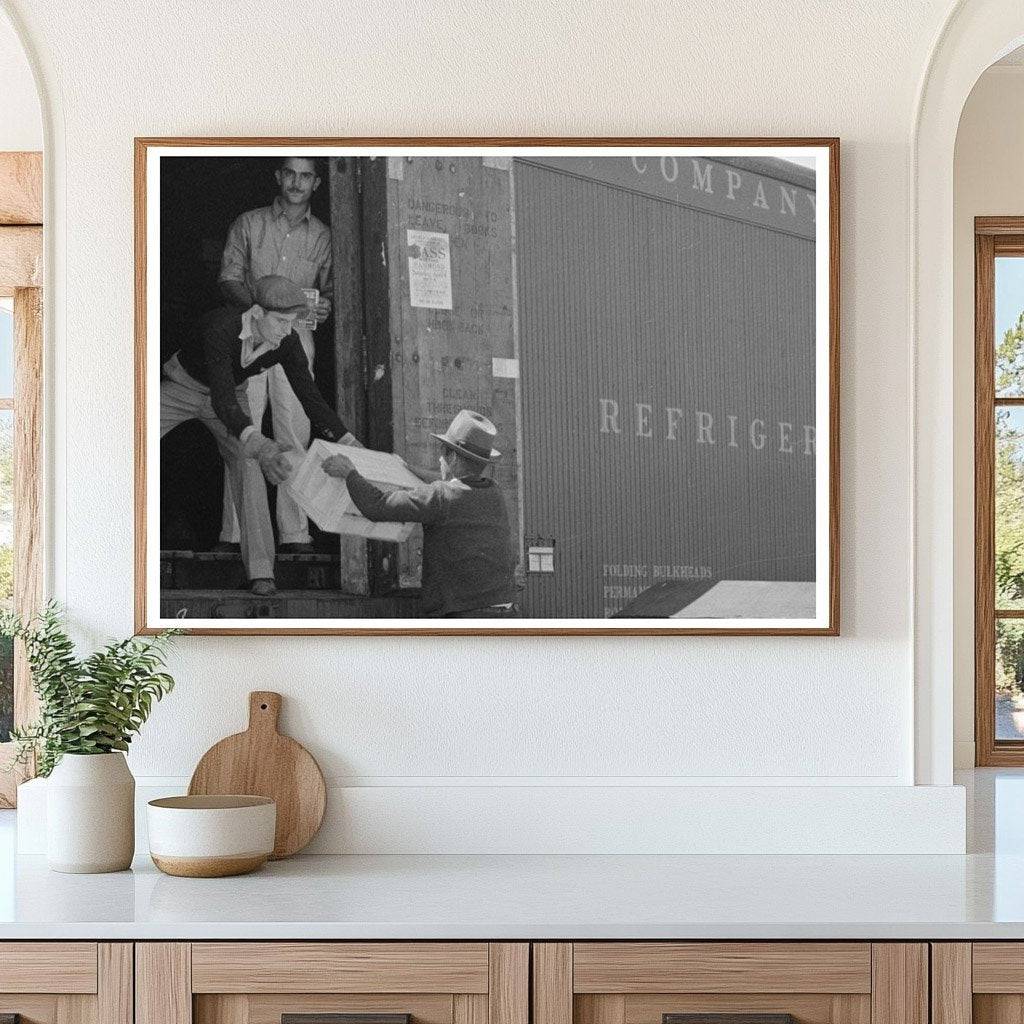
264	710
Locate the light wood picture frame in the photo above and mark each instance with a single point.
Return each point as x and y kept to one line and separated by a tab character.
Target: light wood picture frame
530	280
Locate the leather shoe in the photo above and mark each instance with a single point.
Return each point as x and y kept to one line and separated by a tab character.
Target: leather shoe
263	588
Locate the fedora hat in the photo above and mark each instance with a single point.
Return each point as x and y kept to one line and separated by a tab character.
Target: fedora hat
472	435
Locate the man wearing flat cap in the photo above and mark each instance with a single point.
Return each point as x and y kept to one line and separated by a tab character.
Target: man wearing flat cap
206	379
468	560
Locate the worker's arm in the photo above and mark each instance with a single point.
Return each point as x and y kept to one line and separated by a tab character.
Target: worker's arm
217	349
420	505
324	277
235	262
236	294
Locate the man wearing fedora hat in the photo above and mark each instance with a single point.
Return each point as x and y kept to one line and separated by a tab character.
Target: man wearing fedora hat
468	560
207	378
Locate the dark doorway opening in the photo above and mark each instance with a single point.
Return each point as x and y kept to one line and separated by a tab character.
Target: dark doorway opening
200	197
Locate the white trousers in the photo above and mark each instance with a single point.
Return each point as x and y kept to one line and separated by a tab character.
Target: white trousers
290	428
183	398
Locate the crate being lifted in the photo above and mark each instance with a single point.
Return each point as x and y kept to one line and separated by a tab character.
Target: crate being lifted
325	499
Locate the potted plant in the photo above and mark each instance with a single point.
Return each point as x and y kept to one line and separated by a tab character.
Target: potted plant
89	710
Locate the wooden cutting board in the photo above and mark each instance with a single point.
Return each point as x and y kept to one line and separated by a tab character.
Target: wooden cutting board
262	762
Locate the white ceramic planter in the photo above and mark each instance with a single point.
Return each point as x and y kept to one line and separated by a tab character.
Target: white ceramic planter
90	814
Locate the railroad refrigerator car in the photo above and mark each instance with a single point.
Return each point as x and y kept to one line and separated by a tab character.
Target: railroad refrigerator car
667	344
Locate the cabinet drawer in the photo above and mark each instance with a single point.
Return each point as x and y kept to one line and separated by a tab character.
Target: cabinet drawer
634	967
271	1009
339	967
981	982
48	967
735	982
998	967
261	982
66	982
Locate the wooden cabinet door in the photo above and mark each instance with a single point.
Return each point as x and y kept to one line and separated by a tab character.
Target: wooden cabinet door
66	982
979	982
263	982
748	982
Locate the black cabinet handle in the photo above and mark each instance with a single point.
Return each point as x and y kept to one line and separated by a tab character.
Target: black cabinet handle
337	1018
728	1018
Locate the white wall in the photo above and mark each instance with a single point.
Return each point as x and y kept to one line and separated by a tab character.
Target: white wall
988	181
440	713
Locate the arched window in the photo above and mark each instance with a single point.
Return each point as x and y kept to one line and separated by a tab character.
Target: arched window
999	489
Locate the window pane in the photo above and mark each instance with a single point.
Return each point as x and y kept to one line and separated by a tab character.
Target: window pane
6	567
1009	524
1009	327
1009	679
6	348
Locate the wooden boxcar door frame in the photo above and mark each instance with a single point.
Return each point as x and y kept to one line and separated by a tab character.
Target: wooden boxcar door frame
345	182
362	339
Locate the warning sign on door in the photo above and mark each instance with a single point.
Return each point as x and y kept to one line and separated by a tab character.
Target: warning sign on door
430	269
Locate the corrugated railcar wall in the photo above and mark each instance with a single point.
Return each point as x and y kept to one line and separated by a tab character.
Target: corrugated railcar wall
668	384
460	350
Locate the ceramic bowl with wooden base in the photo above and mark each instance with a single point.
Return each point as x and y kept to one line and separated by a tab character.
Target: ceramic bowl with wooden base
211	836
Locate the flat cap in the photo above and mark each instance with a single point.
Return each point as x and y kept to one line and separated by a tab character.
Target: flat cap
277	294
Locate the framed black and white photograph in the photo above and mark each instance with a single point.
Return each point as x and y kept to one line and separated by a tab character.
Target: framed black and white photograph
487	386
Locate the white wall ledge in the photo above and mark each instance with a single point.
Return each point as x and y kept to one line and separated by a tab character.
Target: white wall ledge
552	819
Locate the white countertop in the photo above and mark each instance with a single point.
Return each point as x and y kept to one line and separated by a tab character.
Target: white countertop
531	897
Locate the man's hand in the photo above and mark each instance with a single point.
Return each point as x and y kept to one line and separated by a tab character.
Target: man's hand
322	310
351	440
272	457
277	467
337	466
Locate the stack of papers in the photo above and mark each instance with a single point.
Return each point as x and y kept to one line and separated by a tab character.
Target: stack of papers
326	501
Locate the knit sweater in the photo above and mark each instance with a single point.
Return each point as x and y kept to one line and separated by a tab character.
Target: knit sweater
468	560
213	357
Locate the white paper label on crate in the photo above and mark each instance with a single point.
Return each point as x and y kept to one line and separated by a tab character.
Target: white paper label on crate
505	368
430	269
